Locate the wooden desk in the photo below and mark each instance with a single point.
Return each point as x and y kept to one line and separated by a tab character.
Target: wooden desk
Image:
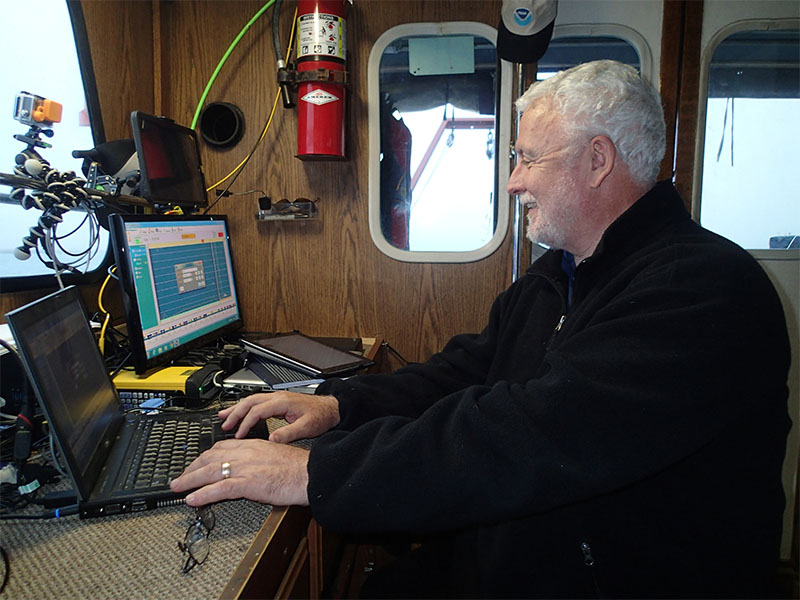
283	561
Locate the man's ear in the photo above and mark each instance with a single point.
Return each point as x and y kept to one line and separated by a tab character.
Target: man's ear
603	154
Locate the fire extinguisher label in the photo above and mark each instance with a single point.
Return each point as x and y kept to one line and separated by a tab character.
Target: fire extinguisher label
319	97
320	35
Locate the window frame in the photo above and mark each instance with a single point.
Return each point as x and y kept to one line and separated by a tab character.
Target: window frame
622	32
32	282
502	137
707	54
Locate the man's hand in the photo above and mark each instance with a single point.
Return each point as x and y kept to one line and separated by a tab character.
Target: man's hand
258	470
308	416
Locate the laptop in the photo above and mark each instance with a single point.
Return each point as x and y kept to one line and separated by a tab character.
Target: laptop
262	375
109	454
305	354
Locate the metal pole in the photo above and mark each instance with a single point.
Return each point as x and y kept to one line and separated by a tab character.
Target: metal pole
516	241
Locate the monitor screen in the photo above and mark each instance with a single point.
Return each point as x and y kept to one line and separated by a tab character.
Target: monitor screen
169	162
67	371
177	283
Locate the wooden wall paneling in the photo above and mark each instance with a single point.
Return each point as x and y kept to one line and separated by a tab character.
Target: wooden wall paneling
680	77
120	38
688	100
324	277
158	53
671	35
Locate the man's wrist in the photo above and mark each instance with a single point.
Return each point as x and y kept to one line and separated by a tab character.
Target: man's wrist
332	412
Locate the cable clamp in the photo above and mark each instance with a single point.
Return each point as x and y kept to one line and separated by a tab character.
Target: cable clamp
27	489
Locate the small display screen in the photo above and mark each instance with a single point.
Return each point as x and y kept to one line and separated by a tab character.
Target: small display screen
169	162
177	281
306	353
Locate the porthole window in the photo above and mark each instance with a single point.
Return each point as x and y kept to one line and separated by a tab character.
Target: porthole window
439	110
750	187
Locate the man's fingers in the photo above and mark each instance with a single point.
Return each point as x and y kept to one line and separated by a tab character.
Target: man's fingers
225	489
284	435
233	414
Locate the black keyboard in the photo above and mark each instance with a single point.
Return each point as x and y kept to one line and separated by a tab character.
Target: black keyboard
166	448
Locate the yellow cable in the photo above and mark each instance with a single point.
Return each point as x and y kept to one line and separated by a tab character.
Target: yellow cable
271	114
102	341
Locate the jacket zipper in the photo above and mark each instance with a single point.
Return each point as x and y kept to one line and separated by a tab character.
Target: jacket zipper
556	330
564	309
588	560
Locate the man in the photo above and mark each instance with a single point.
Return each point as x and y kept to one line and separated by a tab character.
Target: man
617	428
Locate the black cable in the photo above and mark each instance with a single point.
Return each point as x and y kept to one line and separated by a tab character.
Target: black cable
8	569
121	365
276	32
395	352
26	385
49	514
13	351
236	175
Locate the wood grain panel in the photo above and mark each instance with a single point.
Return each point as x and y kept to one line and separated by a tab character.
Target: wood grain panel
121	43
324	277
680	79
688	101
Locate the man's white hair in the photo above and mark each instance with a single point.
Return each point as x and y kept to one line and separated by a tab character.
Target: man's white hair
606	97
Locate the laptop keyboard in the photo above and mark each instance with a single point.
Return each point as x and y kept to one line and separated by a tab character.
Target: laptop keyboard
166	448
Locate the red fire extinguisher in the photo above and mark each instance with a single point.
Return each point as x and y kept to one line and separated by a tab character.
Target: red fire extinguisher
321	79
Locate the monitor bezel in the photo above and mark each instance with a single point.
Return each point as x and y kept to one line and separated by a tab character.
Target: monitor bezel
135	333
83	469
140	119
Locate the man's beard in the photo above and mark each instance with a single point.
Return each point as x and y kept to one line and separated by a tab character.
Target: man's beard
552	228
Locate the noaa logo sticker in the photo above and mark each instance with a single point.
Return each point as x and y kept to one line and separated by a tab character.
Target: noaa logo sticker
319	97
523	16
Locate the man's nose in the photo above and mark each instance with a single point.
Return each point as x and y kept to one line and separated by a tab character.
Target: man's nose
514	186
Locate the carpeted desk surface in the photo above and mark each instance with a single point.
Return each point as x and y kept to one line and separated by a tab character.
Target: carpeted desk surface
125	556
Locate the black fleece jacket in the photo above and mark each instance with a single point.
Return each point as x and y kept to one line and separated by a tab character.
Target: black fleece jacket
629	446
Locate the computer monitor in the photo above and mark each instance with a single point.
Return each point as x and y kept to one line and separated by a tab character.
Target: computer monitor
177	283
169	162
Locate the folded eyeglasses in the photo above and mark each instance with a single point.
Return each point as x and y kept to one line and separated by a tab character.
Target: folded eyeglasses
195	543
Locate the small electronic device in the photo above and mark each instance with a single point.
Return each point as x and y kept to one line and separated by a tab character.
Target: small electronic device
30	109
135	390
177	283
169	162
306	354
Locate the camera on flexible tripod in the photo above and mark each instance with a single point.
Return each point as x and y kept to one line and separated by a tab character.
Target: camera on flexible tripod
35	183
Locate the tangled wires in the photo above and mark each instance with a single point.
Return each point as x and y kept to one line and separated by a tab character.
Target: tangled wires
35	184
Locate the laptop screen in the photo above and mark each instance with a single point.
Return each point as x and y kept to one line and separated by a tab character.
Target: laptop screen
70	379
169	162
177	282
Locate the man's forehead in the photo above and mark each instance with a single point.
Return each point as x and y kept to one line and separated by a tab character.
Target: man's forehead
540	125
541	113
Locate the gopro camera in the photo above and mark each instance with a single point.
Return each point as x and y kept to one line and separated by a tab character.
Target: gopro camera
31	110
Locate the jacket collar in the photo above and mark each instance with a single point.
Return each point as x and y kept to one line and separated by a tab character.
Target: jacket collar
652	212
